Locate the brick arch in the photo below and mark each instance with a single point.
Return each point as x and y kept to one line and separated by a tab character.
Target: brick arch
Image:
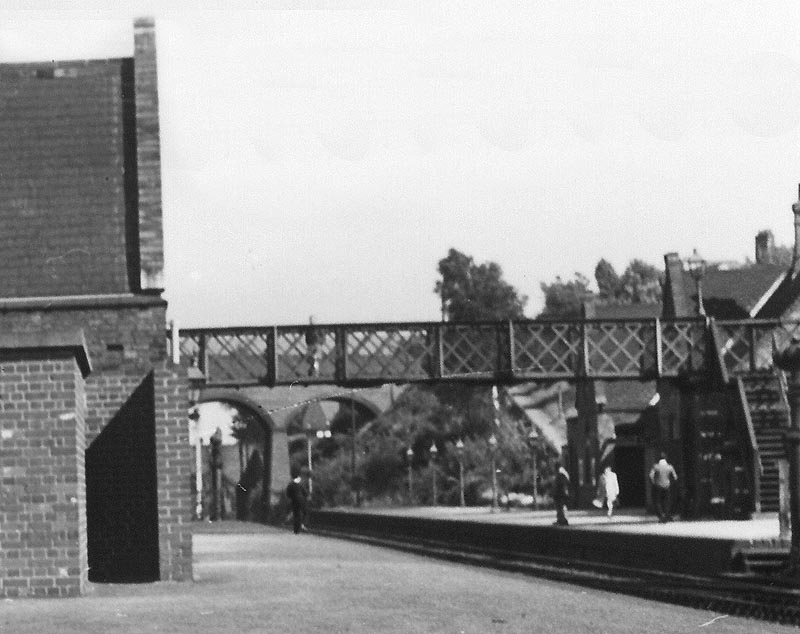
359	401
235	397
268	498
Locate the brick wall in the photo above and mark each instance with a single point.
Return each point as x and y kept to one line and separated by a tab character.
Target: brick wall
175	468
43	543
127	344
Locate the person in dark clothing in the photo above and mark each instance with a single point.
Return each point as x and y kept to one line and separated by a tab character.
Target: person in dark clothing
561	495
298	497
313	341
662	475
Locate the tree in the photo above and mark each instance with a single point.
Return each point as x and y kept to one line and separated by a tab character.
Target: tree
476	292
608	282
783	255
640	284
563	299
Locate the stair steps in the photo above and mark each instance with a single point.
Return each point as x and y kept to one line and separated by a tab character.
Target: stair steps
770	417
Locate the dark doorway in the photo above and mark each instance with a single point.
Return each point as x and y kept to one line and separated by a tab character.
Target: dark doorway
121	494
629	465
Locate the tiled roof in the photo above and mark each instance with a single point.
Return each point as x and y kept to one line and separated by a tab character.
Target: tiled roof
551	427
541	407
733	293
65	129
627	311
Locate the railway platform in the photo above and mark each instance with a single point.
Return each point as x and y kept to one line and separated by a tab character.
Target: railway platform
630	538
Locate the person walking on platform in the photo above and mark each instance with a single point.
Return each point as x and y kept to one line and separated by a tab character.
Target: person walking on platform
662	475
561	495
607	490
298	496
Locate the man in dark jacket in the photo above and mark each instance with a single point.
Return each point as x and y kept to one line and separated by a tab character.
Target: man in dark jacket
298	496
662	475
561	495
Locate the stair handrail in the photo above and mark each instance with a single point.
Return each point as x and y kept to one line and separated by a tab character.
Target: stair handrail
757	466
716	342
783	389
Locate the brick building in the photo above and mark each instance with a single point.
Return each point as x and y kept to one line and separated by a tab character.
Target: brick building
96	465
723	434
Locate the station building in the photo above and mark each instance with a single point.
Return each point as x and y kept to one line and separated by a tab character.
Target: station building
723	434
94	453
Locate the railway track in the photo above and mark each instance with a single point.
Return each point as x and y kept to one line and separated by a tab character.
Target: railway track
760	597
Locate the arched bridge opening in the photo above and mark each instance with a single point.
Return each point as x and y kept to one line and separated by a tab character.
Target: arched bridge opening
245	469
233	456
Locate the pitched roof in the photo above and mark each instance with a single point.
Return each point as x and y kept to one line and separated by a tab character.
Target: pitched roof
734	293
65	144
757	290
627	311
540	404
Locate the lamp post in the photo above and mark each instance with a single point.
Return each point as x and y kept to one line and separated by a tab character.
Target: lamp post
434	453
196	382
353	479
788	359
409	457
493	452
216	474
320	434
697	269
533	439
460	454
309	435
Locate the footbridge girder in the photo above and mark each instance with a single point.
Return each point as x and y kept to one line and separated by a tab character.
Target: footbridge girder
362	354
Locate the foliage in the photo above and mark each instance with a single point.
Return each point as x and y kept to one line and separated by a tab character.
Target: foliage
381	469
441	415
476	292
563	299
332	481
782	254
640	283
608	282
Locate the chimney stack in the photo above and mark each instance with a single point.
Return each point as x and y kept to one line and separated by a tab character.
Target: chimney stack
765	245
148	149
796	251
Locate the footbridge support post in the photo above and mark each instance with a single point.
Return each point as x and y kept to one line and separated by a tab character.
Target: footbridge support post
788	359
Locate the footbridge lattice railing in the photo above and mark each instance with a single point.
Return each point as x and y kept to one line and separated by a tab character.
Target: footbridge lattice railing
506	352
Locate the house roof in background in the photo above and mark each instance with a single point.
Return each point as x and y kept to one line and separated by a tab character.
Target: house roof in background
627	311
733	293
540	404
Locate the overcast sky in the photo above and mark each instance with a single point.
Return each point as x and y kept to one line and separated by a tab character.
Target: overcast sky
322	161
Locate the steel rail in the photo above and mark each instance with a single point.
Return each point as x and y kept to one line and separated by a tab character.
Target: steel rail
754	598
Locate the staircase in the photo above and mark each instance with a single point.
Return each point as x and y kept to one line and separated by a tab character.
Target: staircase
770	416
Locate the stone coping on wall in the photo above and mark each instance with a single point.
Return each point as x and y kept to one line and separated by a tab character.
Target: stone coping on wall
69	302
72	341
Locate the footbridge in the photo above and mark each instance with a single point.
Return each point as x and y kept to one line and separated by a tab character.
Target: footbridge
364	354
